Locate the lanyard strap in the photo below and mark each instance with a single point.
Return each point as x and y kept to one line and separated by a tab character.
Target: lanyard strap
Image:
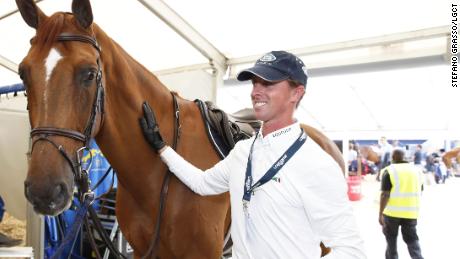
275	168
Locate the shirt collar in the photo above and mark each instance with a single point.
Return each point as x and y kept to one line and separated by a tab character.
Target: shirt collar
282	135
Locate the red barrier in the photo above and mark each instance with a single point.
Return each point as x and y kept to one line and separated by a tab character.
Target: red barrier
354	188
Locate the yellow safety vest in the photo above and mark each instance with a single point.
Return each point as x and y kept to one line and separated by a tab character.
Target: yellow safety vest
404	201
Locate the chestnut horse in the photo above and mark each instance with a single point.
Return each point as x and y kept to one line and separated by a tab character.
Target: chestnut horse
81	84
369	154
449	155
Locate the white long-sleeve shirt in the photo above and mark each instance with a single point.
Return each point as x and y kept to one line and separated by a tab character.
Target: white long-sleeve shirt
306	203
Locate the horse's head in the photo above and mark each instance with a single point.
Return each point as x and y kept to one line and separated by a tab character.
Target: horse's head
63	79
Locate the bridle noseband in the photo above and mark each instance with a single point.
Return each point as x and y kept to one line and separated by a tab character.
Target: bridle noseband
43	133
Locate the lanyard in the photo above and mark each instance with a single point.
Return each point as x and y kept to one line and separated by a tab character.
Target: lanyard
275	168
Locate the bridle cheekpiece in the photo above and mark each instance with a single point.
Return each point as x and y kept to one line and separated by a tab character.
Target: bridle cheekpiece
43	133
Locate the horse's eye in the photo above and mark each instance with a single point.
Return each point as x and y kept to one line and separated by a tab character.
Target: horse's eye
21	73
90	76
87	76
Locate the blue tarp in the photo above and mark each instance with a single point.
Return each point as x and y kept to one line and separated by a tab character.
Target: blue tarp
402	142
99	166
2	208
63	222
12	88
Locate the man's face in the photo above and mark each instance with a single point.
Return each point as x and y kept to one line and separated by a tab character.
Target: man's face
273	100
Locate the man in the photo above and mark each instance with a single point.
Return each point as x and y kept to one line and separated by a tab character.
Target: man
440	172
399	205
385	154
418	156
287	194
352	157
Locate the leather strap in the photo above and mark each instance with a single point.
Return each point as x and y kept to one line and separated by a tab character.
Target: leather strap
165	186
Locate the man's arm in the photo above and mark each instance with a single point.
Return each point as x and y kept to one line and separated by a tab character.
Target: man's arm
209	182
214	182
330	213
384	195
161	150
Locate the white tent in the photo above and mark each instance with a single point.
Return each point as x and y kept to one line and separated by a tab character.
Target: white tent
376	67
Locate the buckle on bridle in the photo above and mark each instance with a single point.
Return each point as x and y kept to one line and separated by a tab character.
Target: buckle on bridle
88	195
83	173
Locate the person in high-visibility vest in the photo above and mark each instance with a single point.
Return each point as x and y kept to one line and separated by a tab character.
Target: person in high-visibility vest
399	205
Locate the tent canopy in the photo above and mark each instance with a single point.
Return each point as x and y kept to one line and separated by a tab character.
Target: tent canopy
376	67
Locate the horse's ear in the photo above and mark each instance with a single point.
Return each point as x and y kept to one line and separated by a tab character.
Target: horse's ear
30	12
81	9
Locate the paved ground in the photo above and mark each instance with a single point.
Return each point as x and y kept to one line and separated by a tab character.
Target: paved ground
438	225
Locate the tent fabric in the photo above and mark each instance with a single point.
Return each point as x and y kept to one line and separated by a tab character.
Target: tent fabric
370	95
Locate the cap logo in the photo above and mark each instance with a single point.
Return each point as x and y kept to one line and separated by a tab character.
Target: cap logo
268	58
305	70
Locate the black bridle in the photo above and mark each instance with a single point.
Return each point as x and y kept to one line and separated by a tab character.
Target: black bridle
81	175
43	133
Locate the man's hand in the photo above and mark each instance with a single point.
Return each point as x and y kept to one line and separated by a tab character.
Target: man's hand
381	221
150	128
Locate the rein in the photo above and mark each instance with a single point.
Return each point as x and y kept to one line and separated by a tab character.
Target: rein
164	188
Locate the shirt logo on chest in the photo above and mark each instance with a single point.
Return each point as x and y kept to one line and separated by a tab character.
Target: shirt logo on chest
281	132
276	179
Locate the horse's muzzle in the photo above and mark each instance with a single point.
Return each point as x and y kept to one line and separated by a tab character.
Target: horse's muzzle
51	200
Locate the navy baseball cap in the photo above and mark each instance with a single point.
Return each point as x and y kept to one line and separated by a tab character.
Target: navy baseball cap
277	66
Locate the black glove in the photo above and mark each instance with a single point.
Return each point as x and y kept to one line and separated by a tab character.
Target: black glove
150	128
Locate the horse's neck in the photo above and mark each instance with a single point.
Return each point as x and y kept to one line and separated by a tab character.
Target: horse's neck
128	77
127	85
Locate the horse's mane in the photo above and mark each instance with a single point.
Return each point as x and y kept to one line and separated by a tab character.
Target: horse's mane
49	30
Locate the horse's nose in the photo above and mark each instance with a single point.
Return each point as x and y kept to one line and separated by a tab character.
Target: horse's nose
48	195
57	192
